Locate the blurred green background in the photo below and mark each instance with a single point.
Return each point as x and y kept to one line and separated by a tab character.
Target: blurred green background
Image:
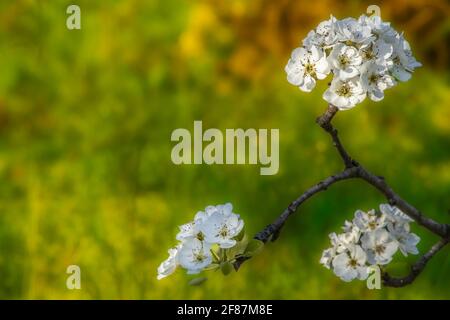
85	124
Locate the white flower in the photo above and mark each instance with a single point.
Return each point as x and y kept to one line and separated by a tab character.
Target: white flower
375	79
396	219
369	221
394	214
327	257
368	48
345	61
192	229
407	242
378	27
345	94
189	230
349	226
222	226
305	67
351	234
378	52
351	264
370	239
350	31
338	242
404	62
351	231
194	255
217	225
324	36
379	245
398	227
168	266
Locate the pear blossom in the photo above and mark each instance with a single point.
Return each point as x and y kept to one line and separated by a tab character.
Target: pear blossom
351	264
394	214
375	79
192	229
345	94
352	32
189	230
341	242
345	61
378	53
404	62
398	226
327	257
194	255
365	56
348	226
351	234
305	67
338	242
380	28
369	221
396	219
369	240
379	245
202	239
407	241
323	36
168	266
221	227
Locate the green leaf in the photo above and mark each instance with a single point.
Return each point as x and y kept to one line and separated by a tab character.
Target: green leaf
197	281
243	244
254	247
212	266
226	267
241	235
215	256
238	249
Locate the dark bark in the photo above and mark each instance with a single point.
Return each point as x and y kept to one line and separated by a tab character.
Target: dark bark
416	268
353	170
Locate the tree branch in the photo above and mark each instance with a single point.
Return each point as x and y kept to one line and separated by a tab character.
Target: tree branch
354	170
380	184
416	268
271	231
324	121
323	185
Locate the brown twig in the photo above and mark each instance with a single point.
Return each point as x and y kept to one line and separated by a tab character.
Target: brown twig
271	231
354	170
324	121
416	268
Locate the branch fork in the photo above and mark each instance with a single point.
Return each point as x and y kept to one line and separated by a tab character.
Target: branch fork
354	170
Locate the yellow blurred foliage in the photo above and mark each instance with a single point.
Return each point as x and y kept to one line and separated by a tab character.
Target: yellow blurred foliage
273	28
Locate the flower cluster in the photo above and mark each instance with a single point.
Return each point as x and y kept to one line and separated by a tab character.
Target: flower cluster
365	56
371	239
214	239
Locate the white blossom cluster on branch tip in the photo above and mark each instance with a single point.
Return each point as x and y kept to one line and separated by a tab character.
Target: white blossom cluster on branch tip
370	239
365	56
213	240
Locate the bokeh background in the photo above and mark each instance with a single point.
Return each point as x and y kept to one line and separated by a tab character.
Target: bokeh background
85	124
